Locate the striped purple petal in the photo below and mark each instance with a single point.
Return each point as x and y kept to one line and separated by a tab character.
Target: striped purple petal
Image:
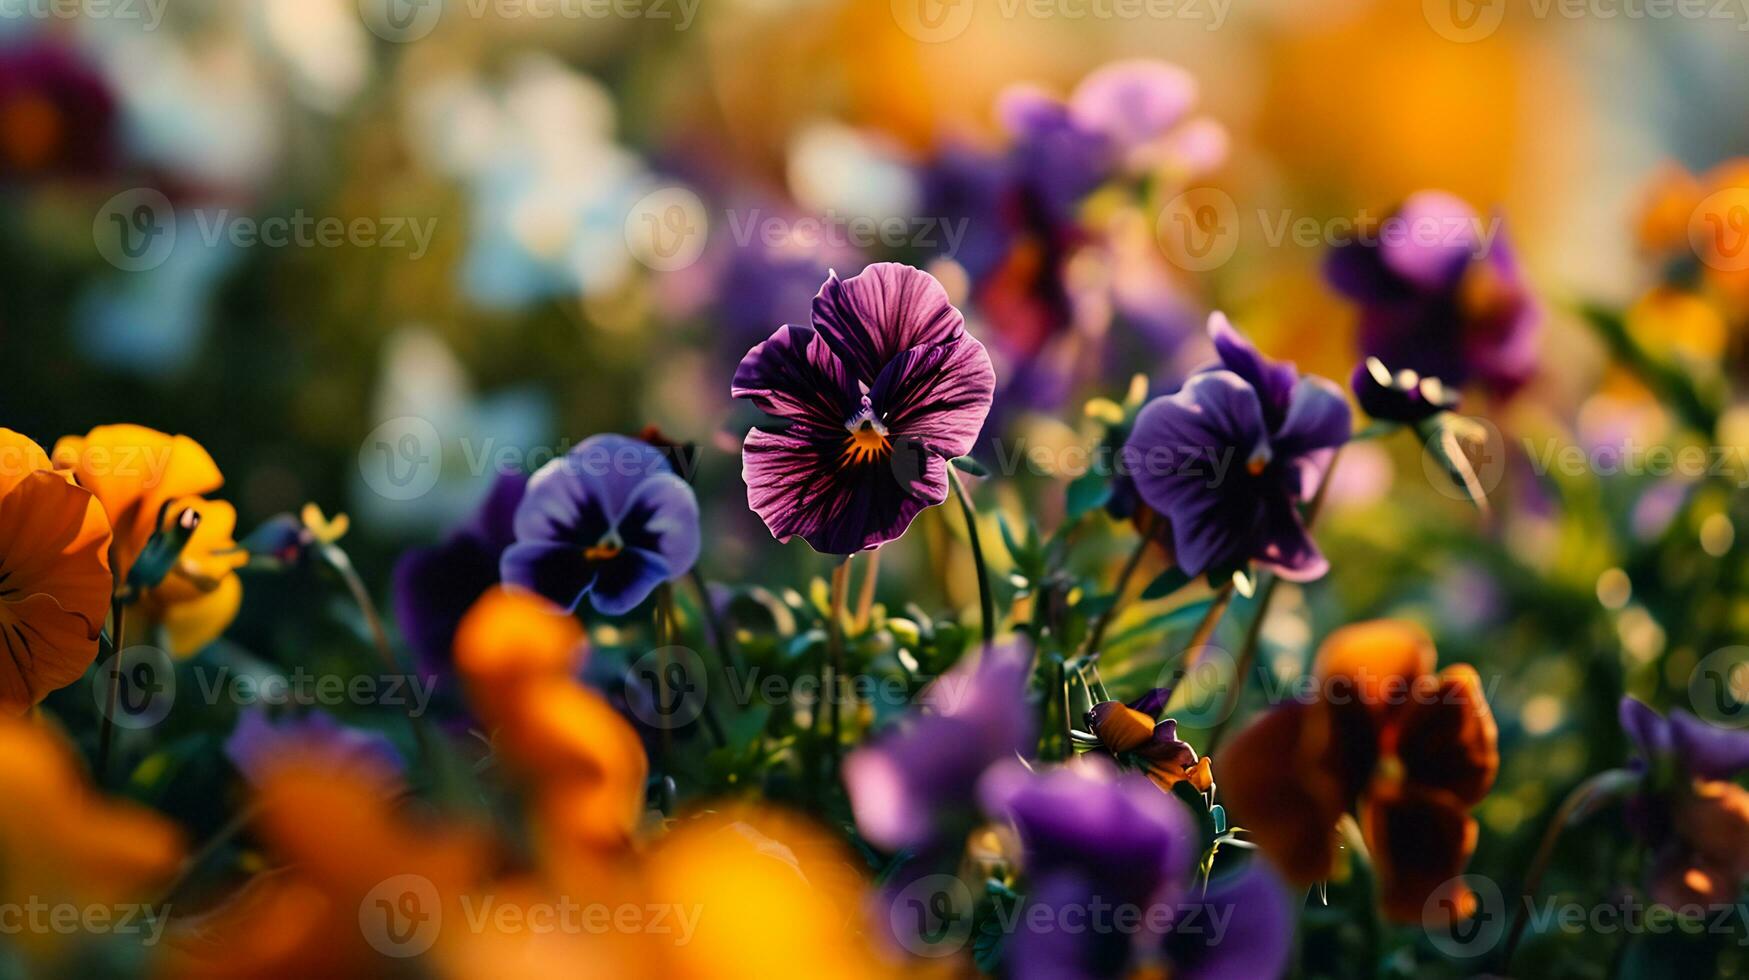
888	308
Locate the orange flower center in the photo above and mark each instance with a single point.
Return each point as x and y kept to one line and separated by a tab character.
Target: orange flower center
868	442
608	547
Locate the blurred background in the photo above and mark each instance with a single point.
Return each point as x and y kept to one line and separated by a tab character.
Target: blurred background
366	251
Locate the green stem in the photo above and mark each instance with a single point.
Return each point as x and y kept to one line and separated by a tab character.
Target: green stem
1606	784
1096	636
720	637
342	563
668	635
835	645
117	640
1254	634
986	599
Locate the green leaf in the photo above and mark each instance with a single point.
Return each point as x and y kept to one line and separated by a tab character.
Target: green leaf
1087	493
970	465
1168	582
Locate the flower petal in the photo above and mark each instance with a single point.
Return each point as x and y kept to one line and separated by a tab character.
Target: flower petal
888	308
134	471
794	375
1274	380
938	395
1706	750
1446	736
1374	664
1255	939
20	456
1420	841
661	517
799	489
556	571
1275	786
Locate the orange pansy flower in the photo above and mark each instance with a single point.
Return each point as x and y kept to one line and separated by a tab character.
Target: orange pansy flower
1407	751
61	842
54	576
518	654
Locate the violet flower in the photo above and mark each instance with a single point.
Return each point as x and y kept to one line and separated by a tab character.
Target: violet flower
610	521
434	587
1688	810
1096	842
869	404
257	744
915	785
1227	460
1439	298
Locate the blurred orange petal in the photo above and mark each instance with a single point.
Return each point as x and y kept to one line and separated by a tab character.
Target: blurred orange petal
54	587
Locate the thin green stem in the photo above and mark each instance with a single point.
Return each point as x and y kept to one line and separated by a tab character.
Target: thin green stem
1096	636
986	598
668	635
1607	783
835	645
720	637
338	560
117	640
1242	669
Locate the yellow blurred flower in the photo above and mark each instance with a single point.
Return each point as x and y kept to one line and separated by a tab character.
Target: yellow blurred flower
773	896
54	576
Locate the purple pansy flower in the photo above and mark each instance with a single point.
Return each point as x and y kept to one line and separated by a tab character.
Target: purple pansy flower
1438	296
257	744
1092	839
435	587
915	785
1227	459
1687	808
870	403
60	114
610	520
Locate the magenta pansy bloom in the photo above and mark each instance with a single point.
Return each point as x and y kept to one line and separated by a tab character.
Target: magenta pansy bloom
610	520
868	405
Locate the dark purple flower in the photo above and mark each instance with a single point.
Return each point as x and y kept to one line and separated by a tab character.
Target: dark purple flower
1438	296
1401	396
1098	843
870	403
257	744
57	115
435	587
610	520
1228	458
915	785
